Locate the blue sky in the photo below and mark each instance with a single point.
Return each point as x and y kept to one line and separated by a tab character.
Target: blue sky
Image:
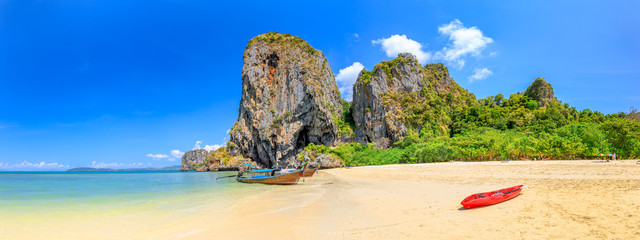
125	83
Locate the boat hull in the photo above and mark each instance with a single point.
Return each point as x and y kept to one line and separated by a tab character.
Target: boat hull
280	179
489	198
309	172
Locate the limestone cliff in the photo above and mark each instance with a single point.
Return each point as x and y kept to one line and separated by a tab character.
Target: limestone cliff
221	159
289	99
374	119
400	95
541	91
194	159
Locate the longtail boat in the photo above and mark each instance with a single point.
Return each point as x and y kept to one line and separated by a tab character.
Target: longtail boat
488	198
308	172
269	176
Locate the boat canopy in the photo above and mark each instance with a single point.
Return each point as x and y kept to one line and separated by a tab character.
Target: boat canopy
262	170
250	165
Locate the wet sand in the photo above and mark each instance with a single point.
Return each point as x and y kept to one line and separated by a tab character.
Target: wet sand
564	200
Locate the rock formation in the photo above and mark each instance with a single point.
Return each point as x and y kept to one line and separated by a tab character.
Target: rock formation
385	99
194	159
289	99
327	161
370	113
541	91
222	159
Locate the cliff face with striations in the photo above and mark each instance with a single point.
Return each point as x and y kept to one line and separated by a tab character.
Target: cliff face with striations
371	114
289	99
193	160
400	94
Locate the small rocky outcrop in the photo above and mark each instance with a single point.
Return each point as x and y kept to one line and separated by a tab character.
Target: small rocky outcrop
327	161
221	159
289	99
541	91
386	98
194	159
321	159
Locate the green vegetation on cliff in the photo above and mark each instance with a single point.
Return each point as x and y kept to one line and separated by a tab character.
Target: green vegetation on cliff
400	95
429	110
528	125
345	123
275	37
413	114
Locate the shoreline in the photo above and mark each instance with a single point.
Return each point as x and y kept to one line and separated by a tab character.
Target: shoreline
564	199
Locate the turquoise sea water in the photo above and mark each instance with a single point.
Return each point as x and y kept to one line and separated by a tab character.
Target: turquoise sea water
41	192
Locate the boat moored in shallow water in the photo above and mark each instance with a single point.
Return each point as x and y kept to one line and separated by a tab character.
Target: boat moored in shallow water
272	176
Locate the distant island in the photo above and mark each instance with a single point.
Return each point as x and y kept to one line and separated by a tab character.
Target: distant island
90	169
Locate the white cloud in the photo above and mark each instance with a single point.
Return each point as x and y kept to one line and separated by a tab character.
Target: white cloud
157	156
29	165
465	42
207	147
197	145
479	74
212	148
40	165
493	54
95	164
396	44
176	153
356	35
346	78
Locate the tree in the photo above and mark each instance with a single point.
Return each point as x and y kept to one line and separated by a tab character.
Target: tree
498	99
532	104
585	115
624	136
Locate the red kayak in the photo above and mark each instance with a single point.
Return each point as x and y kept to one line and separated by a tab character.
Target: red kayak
488	198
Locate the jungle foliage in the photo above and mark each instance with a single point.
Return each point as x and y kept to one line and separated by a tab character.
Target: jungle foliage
523	126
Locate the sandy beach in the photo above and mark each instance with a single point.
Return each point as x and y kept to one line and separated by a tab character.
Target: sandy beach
564	200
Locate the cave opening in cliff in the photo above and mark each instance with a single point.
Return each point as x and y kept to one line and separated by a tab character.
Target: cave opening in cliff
303	139
272	64
272	60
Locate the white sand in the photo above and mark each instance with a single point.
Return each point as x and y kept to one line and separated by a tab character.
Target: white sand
564	200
